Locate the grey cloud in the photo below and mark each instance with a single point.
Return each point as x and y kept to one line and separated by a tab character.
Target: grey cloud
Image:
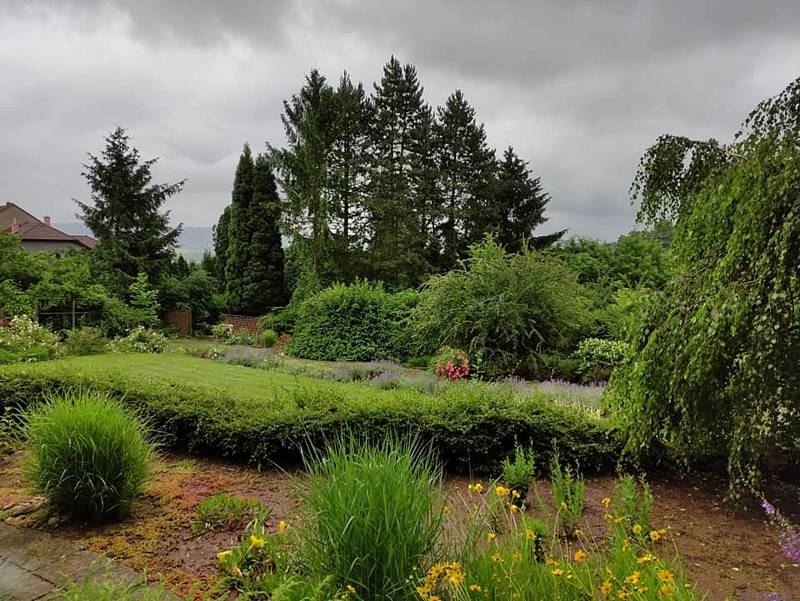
579	88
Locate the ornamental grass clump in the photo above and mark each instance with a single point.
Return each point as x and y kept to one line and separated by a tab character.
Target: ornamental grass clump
374	514
88	456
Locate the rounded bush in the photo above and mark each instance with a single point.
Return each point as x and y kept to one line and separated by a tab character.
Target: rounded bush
88	456
267	338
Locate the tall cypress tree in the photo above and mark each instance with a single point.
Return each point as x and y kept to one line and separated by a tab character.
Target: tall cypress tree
518	205
255	278
134	235
220	236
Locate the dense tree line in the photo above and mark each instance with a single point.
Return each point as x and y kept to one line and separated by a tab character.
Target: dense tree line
383	186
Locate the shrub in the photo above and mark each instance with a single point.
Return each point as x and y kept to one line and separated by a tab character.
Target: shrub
225	511
247	357
569	492
450	363
519	473
359	322
502	309
258	416
24	336
222	331
356	372
267	338
8	357
634	503
88	455
140	340
374	512
241	338
86	341
597	358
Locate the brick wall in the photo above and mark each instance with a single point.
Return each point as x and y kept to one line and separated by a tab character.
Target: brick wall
247	323
179	319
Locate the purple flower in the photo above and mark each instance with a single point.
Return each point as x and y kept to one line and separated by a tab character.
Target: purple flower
768	508
774	597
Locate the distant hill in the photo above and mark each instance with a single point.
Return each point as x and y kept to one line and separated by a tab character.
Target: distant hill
192	243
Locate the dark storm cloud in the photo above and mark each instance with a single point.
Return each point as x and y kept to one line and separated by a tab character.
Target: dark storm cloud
579	88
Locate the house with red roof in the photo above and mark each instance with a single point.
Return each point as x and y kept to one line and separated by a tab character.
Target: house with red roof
38	234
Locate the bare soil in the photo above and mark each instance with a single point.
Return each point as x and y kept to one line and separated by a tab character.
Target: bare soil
729	554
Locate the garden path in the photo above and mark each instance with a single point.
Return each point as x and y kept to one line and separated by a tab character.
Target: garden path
34	565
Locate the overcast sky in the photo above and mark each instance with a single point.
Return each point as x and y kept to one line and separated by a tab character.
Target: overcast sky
579	88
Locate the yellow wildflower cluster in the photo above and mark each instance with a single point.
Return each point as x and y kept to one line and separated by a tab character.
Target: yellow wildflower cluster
443	574
477	488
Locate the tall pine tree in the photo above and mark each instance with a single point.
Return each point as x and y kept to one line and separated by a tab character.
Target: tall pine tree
220	236
134	235
254	270
518	205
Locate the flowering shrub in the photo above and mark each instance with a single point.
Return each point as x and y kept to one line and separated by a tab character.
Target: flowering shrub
790	535
222	331
597	358
140	340
23	335
451	363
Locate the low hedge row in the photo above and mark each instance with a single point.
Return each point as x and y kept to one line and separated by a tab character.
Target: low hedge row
261	417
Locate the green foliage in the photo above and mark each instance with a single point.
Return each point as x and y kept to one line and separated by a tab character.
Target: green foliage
569	492
106	588
254	268
597	358
140	340
713	366
267	338
144	300
358	322
13	300
450	363
504	310
519	473
88	456
221	241
26	337
222	331
227	512
258	416
123	213
633	502
374	513
85	341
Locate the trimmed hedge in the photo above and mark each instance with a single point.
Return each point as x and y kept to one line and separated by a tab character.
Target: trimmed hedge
260	416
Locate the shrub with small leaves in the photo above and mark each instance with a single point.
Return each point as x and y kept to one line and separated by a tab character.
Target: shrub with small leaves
517	474
85	341
140	340
222	331
569	492
267	338
634	501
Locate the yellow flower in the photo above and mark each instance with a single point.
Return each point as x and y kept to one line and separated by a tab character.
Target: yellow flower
579	556
531	535
446	509
642	589
515	494
255	542
517	556
552	562
434	598
496	558
607	516
626	544
236	572
666	590
617	520
351	589
557	572
622	594
606	502
564	505
654	535
478	488
605	588
665	576
514	509
645	558
282	526
578	532
490	536
637	529
501	491
633	578
475	588
223	555
662	531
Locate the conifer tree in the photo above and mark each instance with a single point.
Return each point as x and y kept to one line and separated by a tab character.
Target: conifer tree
134	235
254	271
518	205
220	236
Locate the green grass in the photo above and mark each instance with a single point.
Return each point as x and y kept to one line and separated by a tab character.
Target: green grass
263	415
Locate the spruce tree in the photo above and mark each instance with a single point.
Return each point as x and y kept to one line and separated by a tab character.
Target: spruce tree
518	204
466	166
134	235
254	270
398	243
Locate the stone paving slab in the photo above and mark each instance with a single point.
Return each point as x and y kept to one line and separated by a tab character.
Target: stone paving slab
35	565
